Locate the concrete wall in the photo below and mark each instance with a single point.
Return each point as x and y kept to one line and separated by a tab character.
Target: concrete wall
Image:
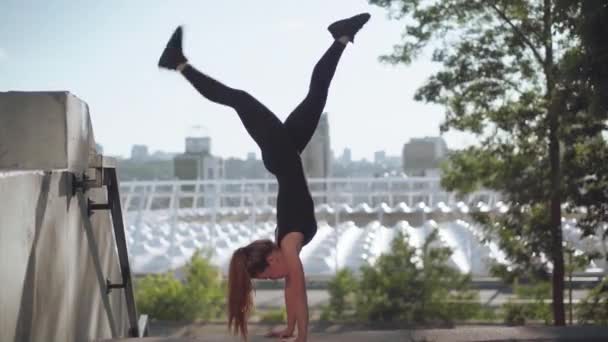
51	288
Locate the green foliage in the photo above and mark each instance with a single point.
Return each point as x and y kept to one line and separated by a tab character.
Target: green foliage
273	316
413	286
200	296
161	297
515	314
588	173
586	21
493	84
575	261
487	314
204	289
594	308
529	79
523	234
341	290
531	303
540	295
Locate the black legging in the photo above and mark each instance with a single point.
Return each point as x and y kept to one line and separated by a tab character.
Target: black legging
278	141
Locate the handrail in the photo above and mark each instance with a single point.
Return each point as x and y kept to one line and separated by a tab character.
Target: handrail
110	180
94	249
106	175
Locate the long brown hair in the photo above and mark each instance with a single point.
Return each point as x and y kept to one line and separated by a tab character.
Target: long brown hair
246	263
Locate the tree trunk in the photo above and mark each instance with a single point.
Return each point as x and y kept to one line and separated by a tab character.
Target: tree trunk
556	224
557	254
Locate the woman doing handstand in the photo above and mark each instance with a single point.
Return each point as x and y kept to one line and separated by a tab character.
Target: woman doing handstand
281	144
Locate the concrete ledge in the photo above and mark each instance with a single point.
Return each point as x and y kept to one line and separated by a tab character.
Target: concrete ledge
44	131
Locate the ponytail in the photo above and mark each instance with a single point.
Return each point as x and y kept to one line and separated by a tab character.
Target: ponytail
240	301
246	262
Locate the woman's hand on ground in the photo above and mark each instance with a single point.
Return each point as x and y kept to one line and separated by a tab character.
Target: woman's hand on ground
280	332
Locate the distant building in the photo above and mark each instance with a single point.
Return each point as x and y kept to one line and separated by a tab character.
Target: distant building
379	157
316	157
346	156
251	156
197	162
394	162
196	166
250	168
139	152
186	167
161	155
422	156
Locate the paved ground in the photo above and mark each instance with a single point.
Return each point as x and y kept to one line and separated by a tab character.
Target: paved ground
270	299
214	333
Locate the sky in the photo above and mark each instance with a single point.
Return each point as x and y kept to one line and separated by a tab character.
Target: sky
105	53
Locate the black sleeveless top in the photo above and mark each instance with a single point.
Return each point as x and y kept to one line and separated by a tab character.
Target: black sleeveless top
295	207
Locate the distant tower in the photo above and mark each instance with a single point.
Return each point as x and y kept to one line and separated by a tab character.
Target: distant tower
316	157
346	156
197	161
198	145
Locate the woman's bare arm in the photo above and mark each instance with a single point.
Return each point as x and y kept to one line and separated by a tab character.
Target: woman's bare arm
291	316
295	284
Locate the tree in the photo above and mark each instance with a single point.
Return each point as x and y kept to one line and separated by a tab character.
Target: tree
507	77
414	286
586	70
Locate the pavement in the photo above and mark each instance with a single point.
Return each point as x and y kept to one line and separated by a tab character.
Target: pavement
465	333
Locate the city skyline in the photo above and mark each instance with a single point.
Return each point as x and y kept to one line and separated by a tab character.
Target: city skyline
337	155
106	53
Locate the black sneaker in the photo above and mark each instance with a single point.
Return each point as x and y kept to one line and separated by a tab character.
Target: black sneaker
348	27
172	55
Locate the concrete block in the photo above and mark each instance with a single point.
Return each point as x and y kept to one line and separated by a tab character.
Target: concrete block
44	131
50	290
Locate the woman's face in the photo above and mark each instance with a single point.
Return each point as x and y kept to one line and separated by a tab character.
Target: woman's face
276	267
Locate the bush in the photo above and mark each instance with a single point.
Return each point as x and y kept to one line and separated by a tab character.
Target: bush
341	291
199	296
413	286
540	295
594	308
160	296
515	314
535	306
485	313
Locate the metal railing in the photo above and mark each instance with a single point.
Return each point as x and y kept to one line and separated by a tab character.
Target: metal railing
248	193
